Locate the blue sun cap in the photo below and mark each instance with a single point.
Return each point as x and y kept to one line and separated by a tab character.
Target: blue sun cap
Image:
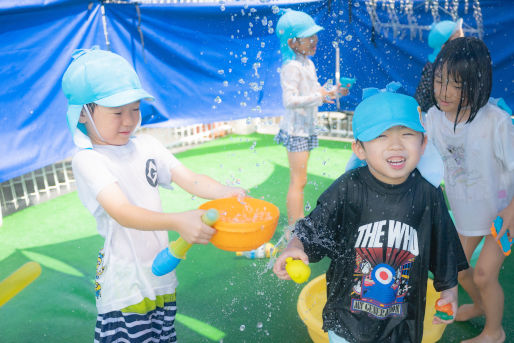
383	109
439	34
294	24
100	77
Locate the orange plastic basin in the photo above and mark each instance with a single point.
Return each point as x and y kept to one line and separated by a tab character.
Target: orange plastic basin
245	225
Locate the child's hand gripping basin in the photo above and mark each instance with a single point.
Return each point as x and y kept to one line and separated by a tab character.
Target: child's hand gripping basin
243	225
313	297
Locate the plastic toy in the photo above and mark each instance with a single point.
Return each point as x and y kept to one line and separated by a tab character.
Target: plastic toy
347	82
244	224
264	251
168	259
297	270
21	278
445	312
505	243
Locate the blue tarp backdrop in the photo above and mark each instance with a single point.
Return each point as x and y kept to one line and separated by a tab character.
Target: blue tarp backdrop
203	63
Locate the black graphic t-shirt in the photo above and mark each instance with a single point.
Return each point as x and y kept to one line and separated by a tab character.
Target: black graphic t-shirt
382	241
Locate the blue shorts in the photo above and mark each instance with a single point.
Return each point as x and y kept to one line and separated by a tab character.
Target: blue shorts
296	143
156	326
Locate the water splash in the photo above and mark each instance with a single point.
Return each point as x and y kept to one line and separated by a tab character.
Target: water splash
281	244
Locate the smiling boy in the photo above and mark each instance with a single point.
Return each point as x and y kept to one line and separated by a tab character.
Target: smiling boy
384	227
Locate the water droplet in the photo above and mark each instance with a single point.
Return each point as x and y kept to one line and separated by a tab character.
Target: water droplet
242	104
242	328
307	206
225	83
275	9
244	59
259	325
348	37
222	8
217	100
221	71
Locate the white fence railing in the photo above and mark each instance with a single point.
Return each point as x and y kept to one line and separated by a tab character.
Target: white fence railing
57	179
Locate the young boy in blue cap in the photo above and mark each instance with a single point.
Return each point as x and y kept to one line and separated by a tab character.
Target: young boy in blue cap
384	227
440	33
117	177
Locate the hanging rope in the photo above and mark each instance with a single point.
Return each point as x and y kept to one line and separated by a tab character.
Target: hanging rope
104	24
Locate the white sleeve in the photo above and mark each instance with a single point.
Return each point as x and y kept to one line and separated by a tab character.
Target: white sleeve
290	78
92	175
503	141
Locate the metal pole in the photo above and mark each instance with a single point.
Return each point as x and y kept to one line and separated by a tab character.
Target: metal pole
337	76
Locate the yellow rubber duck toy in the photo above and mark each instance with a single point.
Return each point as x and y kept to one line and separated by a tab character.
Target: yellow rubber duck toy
297	270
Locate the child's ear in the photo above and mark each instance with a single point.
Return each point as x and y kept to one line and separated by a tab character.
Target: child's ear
358	150
290	42
424	144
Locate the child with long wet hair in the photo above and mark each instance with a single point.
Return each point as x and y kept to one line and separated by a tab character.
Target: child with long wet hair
476	141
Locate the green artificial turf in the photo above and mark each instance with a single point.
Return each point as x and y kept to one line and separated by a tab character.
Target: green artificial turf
221	297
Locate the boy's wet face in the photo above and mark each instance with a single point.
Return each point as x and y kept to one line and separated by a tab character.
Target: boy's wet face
392	156
115	124
304	46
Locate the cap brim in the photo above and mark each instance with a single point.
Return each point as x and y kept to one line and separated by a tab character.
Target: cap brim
124	98
374	132
310	31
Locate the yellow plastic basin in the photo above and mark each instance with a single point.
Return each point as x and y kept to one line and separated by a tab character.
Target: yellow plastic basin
245	225
313	297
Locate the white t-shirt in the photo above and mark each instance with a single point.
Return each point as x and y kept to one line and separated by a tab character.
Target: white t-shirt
301	97
478	165
124	273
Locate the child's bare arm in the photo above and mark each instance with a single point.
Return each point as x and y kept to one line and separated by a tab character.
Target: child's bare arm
203	185
188	224
295	250
449	296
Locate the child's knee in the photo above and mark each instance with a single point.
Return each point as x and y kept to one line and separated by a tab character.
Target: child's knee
482	278
299	182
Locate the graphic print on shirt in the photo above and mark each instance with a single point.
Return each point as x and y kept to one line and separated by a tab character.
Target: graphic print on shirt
99	271
151	172
385	251
455	160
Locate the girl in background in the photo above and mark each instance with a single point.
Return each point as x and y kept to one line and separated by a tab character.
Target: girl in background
302	94
476	141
